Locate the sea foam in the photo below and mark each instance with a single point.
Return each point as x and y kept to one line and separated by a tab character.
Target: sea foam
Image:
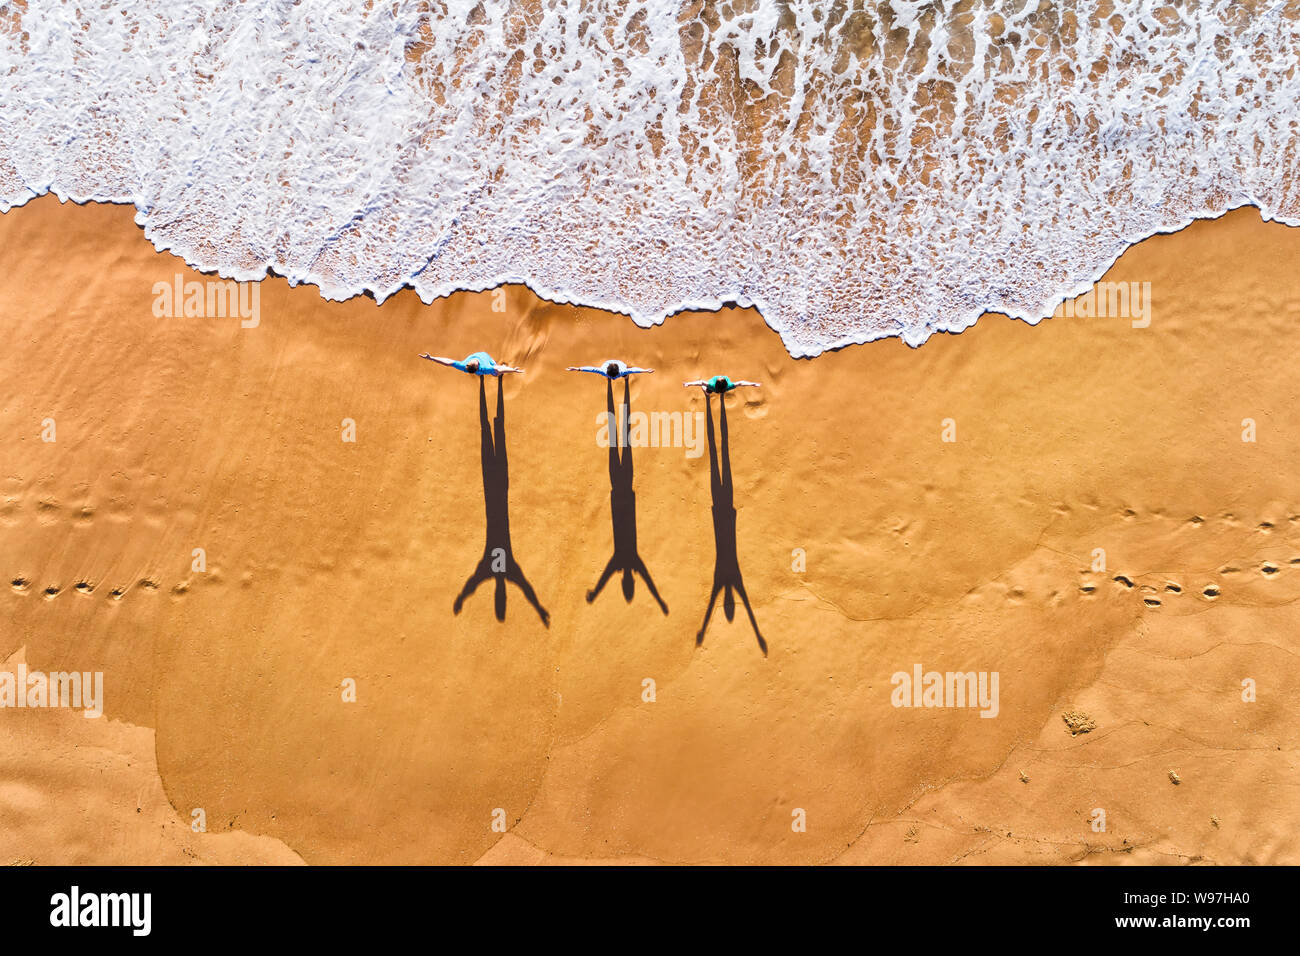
854	170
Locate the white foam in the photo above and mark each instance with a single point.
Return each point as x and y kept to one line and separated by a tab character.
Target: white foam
654	156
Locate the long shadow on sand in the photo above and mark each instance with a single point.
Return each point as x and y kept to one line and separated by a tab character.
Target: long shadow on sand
498	558
622	507
726	567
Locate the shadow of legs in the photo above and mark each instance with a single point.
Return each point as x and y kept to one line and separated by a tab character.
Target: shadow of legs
498	559
622	506
726	568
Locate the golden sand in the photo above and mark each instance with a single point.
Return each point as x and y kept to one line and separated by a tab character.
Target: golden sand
867	545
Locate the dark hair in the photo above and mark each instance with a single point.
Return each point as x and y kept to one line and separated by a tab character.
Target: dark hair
611	369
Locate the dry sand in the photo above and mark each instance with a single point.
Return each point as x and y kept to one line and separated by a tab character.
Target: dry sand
329	560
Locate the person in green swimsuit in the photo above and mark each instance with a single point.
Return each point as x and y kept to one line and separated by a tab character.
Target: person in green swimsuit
719	384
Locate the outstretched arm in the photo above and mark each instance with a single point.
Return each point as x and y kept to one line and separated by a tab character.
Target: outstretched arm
638	371
754	384
701	383
439	359
503	369
586	368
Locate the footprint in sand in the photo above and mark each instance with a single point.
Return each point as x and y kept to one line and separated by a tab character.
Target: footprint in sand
21	584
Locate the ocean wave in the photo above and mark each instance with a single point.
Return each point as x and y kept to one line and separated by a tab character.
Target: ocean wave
855	171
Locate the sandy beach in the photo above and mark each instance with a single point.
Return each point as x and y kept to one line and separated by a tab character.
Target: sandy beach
1102	515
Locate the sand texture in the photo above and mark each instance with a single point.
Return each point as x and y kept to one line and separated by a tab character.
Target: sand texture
865	544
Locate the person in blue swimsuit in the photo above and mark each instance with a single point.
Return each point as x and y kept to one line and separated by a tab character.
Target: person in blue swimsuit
612	369
480	363
719	384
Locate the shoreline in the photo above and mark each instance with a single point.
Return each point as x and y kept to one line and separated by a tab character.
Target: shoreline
715	304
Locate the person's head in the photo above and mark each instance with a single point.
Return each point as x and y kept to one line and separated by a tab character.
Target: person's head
612	369
720	383
472	366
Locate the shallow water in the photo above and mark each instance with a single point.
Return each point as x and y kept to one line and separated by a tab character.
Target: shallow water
856	171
